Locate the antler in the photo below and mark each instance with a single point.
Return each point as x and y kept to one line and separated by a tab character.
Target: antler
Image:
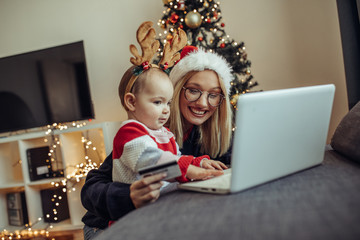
170	53
146	38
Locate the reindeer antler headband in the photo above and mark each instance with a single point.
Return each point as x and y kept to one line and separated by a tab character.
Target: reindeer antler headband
145	36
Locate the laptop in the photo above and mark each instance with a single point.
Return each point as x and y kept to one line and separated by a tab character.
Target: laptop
278	132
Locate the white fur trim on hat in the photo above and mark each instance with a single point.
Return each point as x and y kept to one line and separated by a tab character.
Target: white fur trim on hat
200	60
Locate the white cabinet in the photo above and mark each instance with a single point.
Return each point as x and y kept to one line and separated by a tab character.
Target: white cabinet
70	151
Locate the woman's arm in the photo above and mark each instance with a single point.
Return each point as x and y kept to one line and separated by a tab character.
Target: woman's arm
103	197
110	200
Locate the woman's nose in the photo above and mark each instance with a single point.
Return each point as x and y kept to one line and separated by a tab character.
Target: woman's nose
202	101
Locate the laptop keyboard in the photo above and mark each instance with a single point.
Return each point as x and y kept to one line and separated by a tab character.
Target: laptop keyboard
222	181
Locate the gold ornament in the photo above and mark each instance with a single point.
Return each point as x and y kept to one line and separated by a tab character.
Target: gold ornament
166	1
193	20
234	99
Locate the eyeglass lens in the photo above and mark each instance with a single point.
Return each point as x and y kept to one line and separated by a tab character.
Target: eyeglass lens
193	95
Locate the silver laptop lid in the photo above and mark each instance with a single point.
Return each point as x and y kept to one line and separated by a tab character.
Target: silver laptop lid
279	132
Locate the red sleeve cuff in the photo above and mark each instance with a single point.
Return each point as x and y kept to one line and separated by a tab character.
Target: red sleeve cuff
196	161
184	162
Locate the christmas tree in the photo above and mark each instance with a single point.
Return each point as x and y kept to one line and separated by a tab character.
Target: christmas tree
202	21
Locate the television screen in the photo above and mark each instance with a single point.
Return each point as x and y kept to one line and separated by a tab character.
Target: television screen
43	87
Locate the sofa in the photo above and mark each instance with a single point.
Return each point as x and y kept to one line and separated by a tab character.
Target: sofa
318	203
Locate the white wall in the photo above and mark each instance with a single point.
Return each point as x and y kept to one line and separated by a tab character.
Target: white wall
107	28
290	43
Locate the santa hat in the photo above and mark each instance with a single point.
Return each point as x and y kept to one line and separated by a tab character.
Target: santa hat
194	59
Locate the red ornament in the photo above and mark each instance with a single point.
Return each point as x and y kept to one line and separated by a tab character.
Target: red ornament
208	20
222	45
174	18
200	39
222	24
181	26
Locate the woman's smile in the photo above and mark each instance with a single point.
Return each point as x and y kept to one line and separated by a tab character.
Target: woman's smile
197	112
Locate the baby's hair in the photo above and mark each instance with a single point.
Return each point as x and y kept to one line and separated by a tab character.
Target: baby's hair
123	83
138	84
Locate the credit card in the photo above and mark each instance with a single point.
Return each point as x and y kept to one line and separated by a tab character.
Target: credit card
171	169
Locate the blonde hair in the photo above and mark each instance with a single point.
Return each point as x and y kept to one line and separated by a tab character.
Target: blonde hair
215	133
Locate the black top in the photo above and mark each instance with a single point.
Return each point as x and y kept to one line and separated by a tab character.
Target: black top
106	200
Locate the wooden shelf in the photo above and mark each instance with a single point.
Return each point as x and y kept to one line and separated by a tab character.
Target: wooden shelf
15	177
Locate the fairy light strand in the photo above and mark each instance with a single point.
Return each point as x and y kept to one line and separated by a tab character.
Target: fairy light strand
68	183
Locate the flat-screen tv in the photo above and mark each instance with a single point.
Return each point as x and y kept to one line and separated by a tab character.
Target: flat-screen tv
43	87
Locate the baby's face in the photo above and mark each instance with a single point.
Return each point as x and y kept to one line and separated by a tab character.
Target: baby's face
152	106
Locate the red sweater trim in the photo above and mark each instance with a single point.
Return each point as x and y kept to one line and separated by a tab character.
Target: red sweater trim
184	163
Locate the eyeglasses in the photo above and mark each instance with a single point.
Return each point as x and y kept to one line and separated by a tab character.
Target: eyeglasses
193	94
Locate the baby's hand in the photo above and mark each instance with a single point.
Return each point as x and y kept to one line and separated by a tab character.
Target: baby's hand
212	164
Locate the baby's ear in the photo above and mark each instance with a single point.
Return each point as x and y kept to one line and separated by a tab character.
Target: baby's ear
129	100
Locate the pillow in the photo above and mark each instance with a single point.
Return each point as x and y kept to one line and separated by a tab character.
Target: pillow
346	139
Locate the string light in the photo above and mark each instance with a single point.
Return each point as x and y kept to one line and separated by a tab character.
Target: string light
26	232
79	172
209	35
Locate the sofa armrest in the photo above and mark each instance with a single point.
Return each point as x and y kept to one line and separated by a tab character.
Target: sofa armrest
346	139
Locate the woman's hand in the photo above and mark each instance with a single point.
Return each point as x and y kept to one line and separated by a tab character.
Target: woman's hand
197	173
212	164
146	190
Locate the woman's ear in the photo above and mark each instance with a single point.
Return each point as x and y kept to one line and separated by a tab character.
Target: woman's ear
129	100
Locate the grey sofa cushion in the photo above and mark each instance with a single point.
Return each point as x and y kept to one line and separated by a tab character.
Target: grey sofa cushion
346	139
319	203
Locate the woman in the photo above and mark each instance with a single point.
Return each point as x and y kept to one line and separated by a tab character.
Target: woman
201	115
201	121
